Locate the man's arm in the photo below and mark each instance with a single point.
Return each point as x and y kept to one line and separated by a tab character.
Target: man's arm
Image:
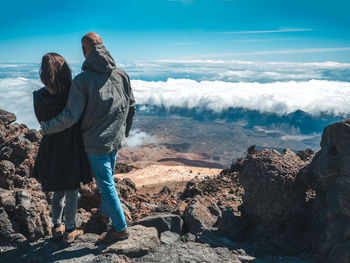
132	110
71	113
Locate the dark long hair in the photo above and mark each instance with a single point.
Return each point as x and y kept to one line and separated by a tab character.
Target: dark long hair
55	73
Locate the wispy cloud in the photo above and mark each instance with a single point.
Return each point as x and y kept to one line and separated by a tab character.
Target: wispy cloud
271	52
262	39
281	30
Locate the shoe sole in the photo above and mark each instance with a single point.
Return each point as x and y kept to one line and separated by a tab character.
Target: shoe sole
68	241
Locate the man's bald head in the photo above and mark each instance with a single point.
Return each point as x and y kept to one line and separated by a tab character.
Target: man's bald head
89	41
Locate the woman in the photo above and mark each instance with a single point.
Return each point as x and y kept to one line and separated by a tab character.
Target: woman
61	163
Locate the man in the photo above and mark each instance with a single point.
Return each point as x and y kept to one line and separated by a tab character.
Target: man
101	95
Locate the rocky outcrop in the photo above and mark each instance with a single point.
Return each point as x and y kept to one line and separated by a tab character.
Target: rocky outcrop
32	214
21	196
329	176
6	117
274	199
274	203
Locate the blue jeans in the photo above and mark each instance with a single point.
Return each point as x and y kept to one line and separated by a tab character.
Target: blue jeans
103	167
69	210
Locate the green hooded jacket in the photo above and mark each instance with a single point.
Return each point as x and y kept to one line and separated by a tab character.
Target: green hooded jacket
103	95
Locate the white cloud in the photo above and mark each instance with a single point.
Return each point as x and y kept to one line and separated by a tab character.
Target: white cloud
8	65
139	138
237	70
262	39
280	30
16	97
280	87
271	52
314	96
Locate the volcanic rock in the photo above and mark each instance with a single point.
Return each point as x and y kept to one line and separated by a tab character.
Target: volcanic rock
5	225
194	252
232	225
168	238
89	196
274	199
123	168
329	176
191	190
33	135
6	117
142	240
32	214
8	236
163	222
214	240
7	200
197	216
125	187
306	155
7	171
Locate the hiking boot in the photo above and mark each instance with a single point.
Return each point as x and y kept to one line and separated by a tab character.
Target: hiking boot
57	231
69	237
112	235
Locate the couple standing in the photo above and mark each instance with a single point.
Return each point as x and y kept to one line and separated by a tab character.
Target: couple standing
84	121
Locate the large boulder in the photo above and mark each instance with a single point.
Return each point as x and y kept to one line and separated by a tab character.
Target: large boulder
274	199
8	236
7	200
142	240
163	222
6	228
32	214
329	176
197	216
6	117
232	226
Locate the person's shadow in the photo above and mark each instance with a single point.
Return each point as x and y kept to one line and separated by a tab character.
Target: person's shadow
49	250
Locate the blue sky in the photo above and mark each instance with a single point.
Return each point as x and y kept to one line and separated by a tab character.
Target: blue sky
135	30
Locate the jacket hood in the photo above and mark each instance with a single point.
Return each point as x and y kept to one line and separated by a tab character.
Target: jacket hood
99	60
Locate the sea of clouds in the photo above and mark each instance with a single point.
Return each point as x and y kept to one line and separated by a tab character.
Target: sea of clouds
278	87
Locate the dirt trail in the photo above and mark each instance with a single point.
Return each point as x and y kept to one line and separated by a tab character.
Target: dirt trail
156	176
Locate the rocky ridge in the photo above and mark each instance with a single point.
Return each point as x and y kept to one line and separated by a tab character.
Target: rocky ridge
261	209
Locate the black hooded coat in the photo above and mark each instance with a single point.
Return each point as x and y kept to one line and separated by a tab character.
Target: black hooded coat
61	163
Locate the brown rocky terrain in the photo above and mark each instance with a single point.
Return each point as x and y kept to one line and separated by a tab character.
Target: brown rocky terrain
165	154
267	207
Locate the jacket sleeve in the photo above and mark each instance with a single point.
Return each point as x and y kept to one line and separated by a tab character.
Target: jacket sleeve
36	107
132	109
73	110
